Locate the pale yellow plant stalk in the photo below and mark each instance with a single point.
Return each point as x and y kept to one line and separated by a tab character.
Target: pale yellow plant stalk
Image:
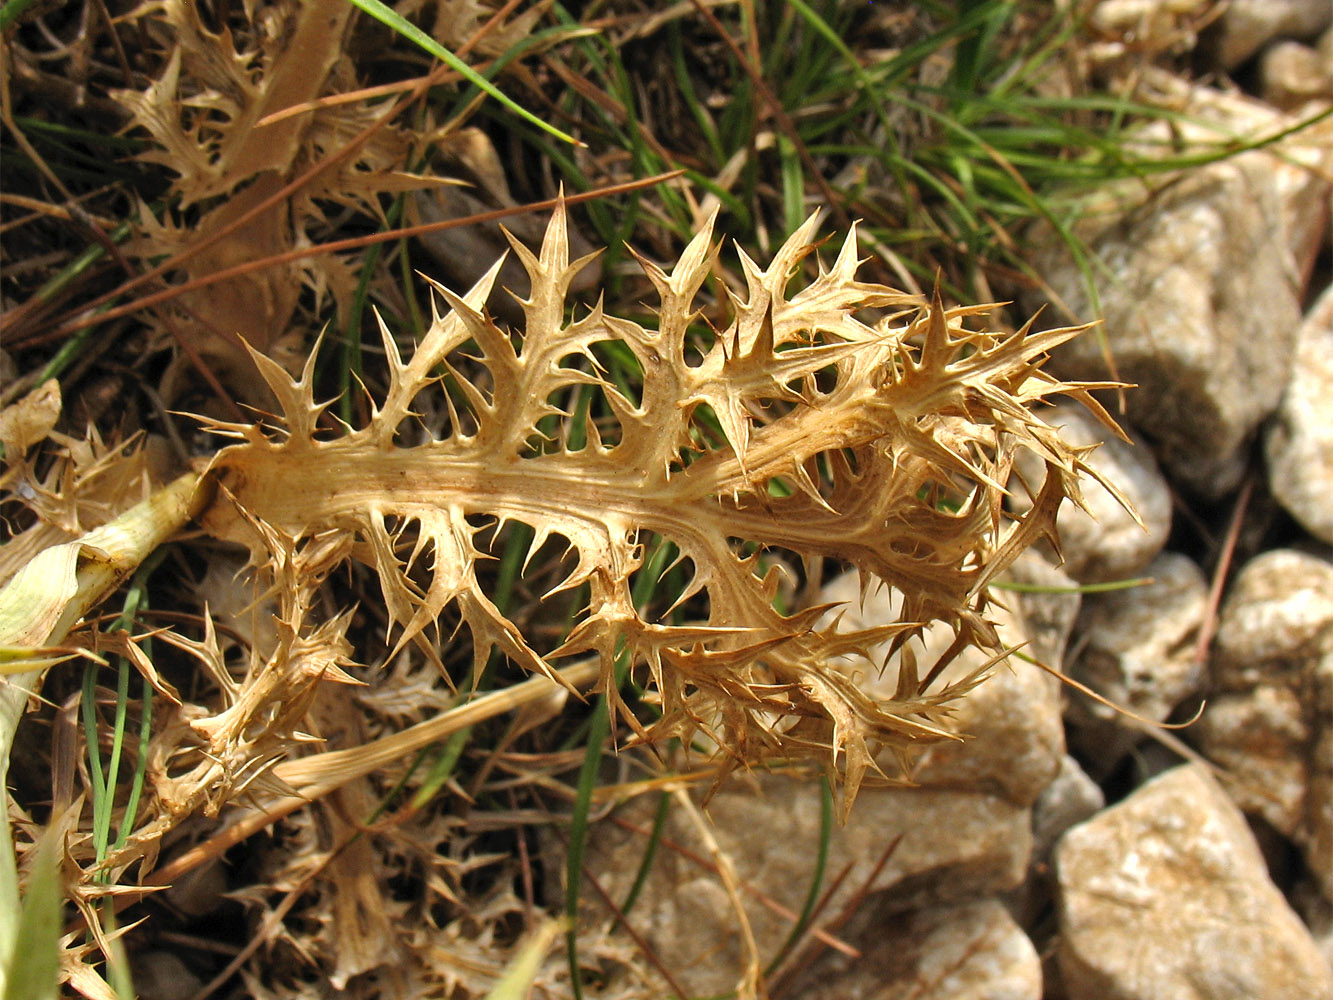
38	608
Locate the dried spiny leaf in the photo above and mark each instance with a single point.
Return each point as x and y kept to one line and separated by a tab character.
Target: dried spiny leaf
884	443
236	114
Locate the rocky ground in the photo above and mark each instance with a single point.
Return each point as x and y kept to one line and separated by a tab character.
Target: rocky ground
1069	850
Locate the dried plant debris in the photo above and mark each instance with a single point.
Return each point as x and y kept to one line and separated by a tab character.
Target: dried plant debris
825	419
801	428
213	116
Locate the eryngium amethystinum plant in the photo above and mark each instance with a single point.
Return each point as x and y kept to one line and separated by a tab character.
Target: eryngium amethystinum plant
835	420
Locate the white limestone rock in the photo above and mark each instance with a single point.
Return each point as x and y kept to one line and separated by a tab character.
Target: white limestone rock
1291	75
1203	279
1270	723
1299	442
1015	737
965	832
1068	800
1139	653
1246	26
969	951
1165	896
1201	315
1046	600
1105	541
940	846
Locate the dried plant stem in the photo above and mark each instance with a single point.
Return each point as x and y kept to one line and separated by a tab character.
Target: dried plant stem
40	605
88	317
750	985
318	775
51	593
321	773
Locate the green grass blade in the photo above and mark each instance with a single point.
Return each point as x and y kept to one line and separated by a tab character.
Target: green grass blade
973	46
598	732
793	185
101	800
351	371
443	768
816	878
1080	588
14	9
9	902
35	960
407	29
649	853
141	767
102	829
105	783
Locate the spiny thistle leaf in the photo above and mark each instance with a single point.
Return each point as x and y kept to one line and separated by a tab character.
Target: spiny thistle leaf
881	442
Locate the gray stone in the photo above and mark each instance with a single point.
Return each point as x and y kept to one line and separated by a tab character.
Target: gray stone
1139	642
1154	23
1071	798
1166	897
1317	912
161	975
1299	443
1270	725
971	951
1257	737
1201	314
1324	46
1275	621
1300	165
1015	737
1046	600
1317	835
964	831
1247	25
1104	541
940	846
1291	75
